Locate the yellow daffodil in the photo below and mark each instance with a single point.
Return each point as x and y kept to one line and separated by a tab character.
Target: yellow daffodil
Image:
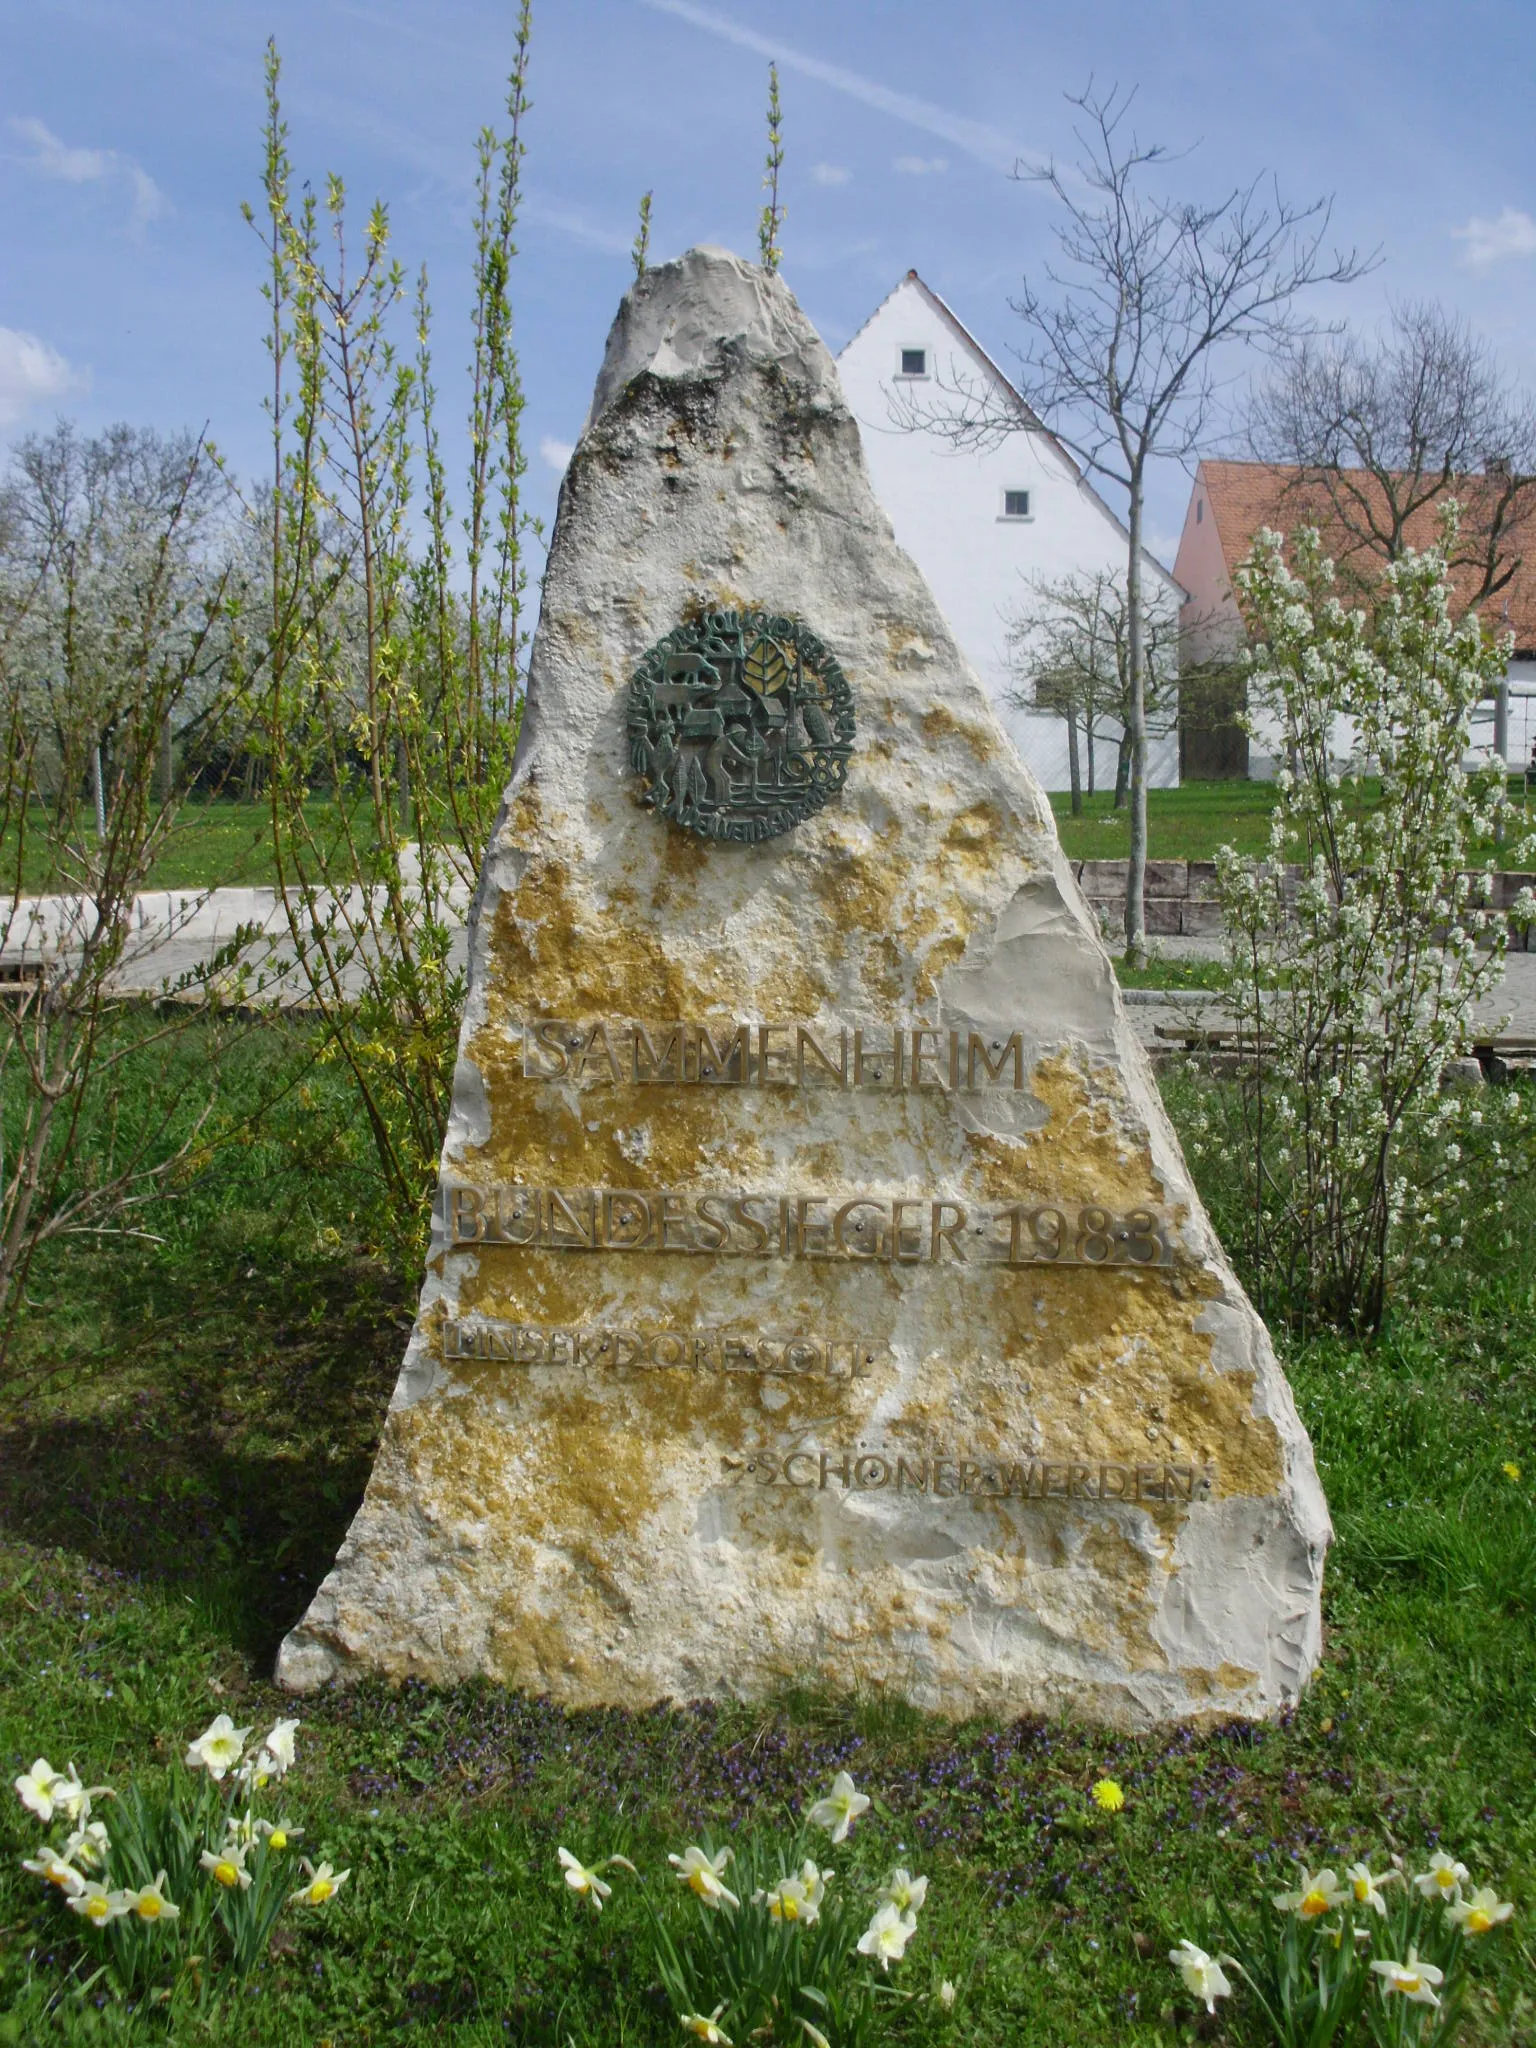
586	1883
226	1866
88	1846
1108	1796
34	1789
95	1903
54	1869
706	2027
904	1891
886	1937
792	1901
1313	1897
150	1904
1412	1980
838	1811
323	1884
702	1876
1204	1978
1512	1471
218	1749
278	1835
1443	1879
1365	1889
1484	1910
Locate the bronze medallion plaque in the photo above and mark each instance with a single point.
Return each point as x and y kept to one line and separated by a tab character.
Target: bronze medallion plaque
741	724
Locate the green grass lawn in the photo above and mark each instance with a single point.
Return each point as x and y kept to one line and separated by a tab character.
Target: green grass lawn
170	1500
220	843
1189	823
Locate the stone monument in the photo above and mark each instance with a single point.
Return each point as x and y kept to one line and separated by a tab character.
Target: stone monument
817	1291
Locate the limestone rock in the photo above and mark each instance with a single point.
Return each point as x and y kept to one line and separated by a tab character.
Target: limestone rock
887	1343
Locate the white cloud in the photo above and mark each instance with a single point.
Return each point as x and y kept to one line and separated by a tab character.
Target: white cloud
921	166
1490	241
829	174
31	372
54	158
557	453
986	144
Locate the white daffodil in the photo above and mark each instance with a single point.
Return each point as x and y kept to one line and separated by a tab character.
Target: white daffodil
73	1799
702	1875
706	2026
1443	1879
226	1866
790	1901
1412	1980
240	1828
218	1749
55	1869
886	1936
1313	1897
278	1744
1204	1978
1365	1889
149	1902
278	1834
585	1882
814	1880
905	1892
34	1789
95	1903
838	1811
1485	1909
323	1884
88	1846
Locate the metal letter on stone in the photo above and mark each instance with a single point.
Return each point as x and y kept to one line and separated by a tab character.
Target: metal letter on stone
741	724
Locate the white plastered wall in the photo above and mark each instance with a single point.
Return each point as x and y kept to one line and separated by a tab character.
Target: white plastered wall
946	506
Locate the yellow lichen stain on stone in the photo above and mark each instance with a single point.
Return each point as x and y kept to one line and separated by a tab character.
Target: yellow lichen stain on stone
940	723
1226	1680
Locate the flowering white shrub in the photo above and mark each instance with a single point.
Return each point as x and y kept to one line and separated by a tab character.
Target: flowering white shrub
1311	1970
173	1865
1352	997
784	1951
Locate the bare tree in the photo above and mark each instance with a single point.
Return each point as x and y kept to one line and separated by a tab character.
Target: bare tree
1119	358
1378	431
1070	650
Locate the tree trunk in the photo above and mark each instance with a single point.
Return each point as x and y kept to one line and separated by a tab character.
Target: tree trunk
1092	739
165	765
1136	866
1074	765
1122	771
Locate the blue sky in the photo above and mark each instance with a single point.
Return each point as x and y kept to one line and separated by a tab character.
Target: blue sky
130	133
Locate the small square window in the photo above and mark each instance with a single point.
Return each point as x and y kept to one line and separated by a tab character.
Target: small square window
914	362
1015	504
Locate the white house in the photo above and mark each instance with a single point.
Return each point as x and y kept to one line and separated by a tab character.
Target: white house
980	523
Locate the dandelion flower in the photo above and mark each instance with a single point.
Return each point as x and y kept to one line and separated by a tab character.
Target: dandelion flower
1412	1980
1443	1879
226	1866
886	1936
1108	1796
150	1903
1512	1471
1204	1978
95	1903
702	1875
586	1883
838	1811
1366	1889
1313	1897
218	1749
55	1869
323	1884
34	1789
707	2027
1484	1910
905	1892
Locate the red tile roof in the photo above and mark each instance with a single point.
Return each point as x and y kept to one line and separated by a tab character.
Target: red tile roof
1243	496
